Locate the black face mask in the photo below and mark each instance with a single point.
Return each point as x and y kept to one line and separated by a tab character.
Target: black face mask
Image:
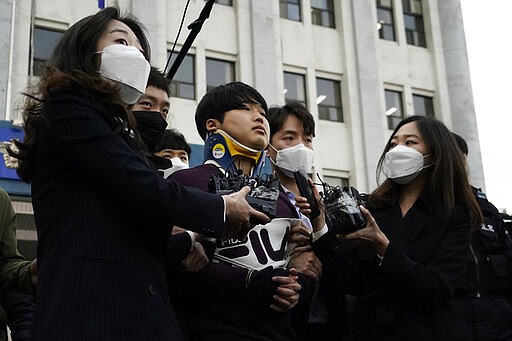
151	127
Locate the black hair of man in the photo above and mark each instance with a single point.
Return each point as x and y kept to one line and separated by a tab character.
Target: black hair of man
175	140
216	102
461	143
277	116
158	80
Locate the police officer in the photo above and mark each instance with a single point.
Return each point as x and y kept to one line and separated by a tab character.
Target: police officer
481	301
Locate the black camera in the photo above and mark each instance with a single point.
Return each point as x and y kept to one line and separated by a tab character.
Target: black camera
342	208
264	189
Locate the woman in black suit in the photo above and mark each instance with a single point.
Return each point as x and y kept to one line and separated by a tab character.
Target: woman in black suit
103	216
412	254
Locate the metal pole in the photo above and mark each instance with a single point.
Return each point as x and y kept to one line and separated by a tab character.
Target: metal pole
9	67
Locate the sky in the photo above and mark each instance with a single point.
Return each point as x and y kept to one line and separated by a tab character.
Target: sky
488	37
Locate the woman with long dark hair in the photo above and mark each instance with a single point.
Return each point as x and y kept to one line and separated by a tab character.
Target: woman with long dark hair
416	243
103	216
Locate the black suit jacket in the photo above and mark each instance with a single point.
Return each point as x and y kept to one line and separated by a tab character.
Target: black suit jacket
103	219
408	296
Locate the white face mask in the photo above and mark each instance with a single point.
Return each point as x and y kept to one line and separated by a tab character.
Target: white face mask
177	165
292	159
402	164
126	66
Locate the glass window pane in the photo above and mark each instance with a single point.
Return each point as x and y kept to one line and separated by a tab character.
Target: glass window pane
387	32
406	6
326	19
293	12
336	181
384	15
386	20
183	83
394	107
385	3
322	13
224	2
320	4
418	23
290	9
45	41
295	87
218	72
413	22
423	105
316	16
186	91
329	100
409	22
416	6
283	9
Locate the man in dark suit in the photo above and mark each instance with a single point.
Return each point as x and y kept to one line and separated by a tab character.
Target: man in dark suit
248	291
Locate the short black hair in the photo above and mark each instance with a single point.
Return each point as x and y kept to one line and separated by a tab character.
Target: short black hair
173	139
158	80
461	143
216	102
277	116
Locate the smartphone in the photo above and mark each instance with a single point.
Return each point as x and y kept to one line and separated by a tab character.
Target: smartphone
305	190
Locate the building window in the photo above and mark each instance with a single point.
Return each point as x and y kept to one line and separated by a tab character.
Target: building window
218	72
183	83
295	88
386	21
413	22
394	107
322	13
335	181
45	41
329	100
423	105
290	9
224	2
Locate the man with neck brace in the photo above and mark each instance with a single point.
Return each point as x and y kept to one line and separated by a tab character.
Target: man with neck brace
246	291
292	129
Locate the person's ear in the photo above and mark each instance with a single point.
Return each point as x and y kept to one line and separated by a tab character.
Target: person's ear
212	124
267	150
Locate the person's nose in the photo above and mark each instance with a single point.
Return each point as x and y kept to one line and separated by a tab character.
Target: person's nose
258	117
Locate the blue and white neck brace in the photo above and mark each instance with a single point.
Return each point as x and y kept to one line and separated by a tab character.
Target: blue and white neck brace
222	148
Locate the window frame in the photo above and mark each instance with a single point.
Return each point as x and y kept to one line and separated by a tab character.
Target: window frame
318	15
304	89
431	98
417	36
228	62
382	23
393	119
39	61
175	92
343	181
339	108
284	6
224	2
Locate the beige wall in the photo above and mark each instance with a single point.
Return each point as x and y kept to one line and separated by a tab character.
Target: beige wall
252	34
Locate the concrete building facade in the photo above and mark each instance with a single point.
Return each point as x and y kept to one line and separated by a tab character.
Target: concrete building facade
349	61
